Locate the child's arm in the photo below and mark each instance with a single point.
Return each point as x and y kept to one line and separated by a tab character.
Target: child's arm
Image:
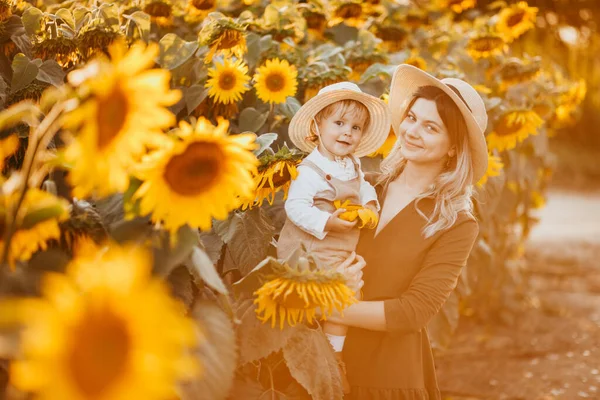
300	207
368	196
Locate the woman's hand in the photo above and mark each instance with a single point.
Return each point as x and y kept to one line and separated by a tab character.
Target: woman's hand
351	268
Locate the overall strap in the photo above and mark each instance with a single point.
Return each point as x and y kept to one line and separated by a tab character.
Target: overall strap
315	168
355	162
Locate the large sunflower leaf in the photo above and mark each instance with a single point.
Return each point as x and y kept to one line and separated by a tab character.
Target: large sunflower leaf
24	72
254	279
174	51
264	141
258	340
202	267
194	95
308	351
32	20
250	241
251	120
51	72
217	353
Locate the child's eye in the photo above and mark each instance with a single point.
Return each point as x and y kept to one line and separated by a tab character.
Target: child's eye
357	127
339	123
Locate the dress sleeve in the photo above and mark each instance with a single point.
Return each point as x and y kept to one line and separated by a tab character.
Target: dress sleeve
299	206
434	282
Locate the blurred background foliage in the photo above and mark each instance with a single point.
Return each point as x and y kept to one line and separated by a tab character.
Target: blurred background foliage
254	63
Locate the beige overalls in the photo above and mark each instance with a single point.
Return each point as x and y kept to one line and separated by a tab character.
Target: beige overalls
335	247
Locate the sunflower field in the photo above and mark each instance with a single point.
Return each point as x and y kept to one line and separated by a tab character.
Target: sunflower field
145	162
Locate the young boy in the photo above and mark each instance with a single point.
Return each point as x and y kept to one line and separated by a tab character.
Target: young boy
337	126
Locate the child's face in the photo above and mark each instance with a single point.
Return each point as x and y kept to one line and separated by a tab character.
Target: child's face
340	134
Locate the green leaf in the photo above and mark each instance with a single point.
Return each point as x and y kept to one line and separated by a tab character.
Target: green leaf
376	70
168	257
67	17
194	95
42	214
217	352
81	16
24	72
22	112
264	141
51	72
202	267
258	340
308	351
290	107
110	14
32	18
250	242
251	120
141	22
174	51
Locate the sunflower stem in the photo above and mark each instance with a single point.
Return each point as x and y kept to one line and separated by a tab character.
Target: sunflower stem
37	136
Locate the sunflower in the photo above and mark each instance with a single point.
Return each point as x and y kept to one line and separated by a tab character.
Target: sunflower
61	49
495	166
36	223
515	20
223	36
516	71
275	174
569	101
350	12
197	10
386	147
204	175
457	6
486	45
291	294
125	111
228	81
160	12
5	9
8	146
416	61
394	36
367	217
94	40
275	81
103	329
513	127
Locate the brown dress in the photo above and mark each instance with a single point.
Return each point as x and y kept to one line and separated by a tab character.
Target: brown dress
413	276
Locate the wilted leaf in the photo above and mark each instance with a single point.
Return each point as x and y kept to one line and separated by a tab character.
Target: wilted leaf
32	18
217	354
308	351
202	267
174	51
255	278
110	14
67	17
258	340
264	141
248	390
251	120
24	72
139	22
250	243
212	244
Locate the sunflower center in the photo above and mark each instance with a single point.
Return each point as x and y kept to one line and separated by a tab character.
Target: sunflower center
158	9
112	115
227	80
281	177
515	18
100	351
230	39
275	81
315	21
196	169
352	10
486	43
390	33
293	300
203	4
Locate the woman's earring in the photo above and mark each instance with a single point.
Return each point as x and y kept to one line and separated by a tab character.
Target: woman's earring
448	162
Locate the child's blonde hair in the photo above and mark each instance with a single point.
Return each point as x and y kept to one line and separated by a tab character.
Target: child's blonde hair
344	107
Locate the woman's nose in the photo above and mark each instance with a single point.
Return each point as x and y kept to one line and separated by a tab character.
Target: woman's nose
412	132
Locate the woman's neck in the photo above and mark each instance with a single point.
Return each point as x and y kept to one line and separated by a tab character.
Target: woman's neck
418	178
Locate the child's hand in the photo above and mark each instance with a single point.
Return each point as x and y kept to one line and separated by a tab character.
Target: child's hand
336	224
372	206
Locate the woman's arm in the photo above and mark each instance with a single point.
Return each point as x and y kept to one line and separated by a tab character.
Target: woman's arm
427	292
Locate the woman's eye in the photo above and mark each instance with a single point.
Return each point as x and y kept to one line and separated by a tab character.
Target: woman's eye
412	118
431	128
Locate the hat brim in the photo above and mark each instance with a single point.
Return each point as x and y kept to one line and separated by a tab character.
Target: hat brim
406	80
373	137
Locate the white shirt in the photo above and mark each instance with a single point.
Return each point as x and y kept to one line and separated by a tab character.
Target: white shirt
299	205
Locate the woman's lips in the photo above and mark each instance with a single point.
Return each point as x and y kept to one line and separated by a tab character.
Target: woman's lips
414	146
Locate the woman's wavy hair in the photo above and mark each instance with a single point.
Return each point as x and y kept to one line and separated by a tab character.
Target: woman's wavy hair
452	189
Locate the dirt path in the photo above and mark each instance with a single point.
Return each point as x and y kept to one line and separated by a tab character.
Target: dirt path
552	351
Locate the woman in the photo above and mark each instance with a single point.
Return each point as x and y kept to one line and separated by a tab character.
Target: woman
424	237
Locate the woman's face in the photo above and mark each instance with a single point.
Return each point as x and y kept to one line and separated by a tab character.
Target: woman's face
423	135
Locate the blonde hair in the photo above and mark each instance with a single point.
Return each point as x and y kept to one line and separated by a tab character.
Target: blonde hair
452	189
344	107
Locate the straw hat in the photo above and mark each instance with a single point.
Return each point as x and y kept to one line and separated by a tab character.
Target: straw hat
407	79
373	136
